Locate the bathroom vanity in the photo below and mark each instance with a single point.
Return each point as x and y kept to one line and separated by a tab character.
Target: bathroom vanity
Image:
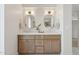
39	31
39	43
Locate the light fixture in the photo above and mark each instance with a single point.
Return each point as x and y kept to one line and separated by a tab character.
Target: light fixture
50	12
29	12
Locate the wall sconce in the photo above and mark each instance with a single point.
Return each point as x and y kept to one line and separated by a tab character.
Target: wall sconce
50	12
29	12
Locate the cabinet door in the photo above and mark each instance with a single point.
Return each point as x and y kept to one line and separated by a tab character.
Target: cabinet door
55	46
52	46
22	46
47	46
26	46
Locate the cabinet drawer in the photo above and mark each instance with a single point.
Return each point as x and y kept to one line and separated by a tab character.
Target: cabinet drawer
55	46
39	37
29	37
52	37
26	37
38	42
39	50
30	45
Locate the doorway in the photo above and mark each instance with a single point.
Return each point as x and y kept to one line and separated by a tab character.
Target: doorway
75	29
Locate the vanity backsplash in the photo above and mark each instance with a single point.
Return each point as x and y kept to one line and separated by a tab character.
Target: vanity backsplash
39	20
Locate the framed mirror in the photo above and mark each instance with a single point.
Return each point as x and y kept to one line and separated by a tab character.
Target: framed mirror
30	20
48	20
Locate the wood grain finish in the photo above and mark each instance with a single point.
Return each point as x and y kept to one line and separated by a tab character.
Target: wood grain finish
55	46
47	46
39	50
39	44
22	47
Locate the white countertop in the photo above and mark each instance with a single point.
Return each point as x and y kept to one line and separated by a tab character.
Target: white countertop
39	34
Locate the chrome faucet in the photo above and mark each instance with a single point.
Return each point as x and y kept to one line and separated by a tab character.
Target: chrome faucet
37	28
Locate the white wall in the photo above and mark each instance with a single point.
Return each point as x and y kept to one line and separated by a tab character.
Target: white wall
2	49
67	30
13	13
65	16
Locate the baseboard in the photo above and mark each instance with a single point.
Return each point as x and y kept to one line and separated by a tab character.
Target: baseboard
11	53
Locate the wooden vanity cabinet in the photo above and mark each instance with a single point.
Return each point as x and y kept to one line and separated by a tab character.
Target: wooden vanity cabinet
52	44
25	44
39	44
55	46
22	47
